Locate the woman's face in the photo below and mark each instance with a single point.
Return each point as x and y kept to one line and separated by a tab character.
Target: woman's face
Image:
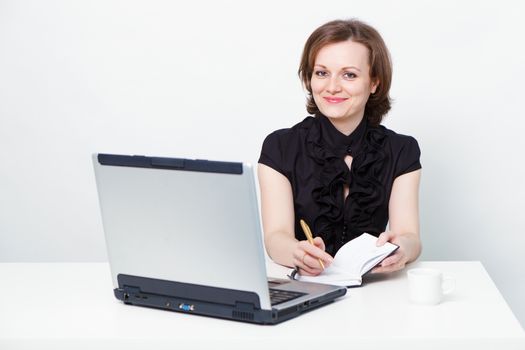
341	80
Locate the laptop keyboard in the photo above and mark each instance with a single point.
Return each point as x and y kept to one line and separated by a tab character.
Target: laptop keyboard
278	296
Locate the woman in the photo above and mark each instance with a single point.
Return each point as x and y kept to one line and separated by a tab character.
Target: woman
341	171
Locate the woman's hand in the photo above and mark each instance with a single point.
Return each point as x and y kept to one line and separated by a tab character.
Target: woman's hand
408	251
306	257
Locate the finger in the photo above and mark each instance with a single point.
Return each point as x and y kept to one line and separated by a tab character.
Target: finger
393	263
390	268
299	257
313	264
315	251
393	259
304	272
318	241
384	237
308	262
304	268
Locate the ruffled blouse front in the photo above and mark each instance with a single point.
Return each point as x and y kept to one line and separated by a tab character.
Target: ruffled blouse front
311	156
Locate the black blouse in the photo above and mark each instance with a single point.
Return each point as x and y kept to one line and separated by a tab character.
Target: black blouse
311	156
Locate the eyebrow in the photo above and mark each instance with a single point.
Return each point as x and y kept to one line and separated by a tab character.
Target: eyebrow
349	67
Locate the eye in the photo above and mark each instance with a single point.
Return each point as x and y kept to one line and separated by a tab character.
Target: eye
321	73
349	75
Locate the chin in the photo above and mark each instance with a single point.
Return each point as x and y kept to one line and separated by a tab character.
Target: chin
333	115
336	116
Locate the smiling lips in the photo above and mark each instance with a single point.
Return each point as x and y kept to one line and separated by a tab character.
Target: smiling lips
335	99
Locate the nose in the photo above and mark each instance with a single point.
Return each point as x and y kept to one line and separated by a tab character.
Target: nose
333	86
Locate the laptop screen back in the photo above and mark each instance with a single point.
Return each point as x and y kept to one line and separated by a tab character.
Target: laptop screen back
164	221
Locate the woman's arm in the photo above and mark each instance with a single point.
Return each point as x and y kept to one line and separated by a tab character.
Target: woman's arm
278	225
403	210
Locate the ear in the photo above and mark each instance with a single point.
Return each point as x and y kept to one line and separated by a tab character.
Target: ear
373	86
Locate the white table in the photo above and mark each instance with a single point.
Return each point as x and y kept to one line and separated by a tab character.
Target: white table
71	306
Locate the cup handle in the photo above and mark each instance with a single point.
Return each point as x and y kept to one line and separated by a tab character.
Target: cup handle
448	285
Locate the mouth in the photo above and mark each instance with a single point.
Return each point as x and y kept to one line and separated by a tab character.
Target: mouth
335	100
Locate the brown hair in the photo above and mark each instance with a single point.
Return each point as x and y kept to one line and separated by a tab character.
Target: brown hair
378	104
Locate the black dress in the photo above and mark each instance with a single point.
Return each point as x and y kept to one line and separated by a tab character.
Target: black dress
311	156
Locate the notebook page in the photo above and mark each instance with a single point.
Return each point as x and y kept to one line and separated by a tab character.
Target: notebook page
353	260
361	254
333	275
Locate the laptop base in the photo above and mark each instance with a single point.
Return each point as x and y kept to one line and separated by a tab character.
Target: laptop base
204	300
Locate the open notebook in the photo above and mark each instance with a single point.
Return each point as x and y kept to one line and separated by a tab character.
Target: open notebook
352	261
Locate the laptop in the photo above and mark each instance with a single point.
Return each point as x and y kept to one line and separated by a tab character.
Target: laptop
184	235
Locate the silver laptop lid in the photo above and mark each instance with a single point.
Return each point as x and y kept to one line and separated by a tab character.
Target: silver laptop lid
182	220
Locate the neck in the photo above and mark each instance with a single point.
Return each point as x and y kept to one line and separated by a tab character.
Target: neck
346	125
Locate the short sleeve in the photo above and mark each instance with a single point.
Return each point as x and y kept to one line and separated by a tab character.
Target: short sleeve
271	153
408	159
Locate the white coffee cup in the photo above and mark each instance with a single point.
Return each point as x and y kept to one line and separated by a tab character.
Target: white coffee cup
428	286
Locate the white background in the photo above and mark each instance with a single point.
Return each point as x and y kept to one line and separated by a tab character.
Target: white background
210	79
